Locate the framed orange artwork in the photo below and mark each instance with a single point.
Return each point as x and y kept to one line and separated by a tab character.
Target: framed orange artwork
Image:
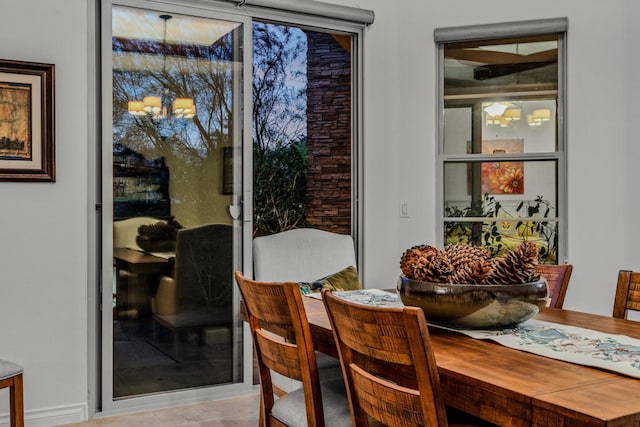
503	177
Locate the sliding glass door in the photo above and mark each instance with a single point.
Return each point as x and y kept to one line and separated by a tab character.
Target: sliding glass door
220	123
174	152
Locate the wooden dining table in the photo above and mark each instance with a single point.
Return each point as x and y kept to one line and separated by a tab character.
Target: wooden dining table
510	387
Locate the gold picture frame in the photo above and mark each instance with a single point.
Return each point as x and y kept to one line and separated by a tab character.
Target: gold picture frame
27	140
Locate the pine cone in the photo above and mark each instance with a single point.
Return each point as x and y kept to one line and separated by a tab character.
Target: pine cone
469	263
473	272
515	266
410	258
432	266
459	255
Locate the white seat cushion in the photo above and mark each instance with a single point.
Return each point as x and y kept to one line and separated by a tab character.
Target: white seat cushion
9	369
291	408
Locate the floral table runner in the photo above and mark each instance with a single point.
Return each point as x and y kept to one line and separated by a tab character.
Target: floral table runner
618	353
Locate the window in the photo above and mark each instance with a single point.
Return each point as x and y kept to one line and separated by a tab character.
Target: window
501	152
302	129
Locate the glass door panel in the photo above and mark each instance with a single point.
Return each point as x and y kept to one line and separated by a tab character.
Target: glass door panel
177	115
303	112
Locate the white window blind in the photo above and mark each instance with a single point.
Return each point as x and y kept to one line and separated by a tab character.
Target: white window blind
501	30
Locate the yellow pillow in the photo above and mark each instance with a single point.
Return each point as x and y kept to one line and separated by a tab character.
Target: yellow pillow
344	280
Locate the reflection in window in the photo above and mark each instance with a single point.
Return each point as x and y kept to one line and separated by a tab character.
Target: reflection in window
173	102
501	148
302	129
515	216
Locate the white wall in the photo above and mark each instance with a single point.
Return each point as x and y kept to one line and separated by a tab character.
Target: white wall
44	240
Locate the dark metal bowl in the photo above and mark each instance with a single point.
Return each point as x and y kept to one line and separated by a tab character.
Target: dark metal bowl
474	306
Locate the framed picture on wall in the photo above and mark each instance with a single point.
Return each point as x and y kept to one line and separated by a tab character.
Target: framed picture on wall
503	177
27	147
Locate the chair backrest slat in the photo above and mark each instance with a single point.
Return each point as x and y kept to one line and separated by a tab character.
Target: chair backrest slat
279	356
627	293
383	400
557	277
389	366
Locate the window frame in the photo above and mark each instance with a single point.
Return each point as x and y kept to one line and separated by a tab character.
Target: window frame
487	32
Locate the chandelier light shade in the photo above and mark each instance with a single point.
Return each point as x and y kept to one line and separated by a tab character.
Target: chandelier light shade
504	113
543	115
183	107
152	104
538	117
512	113
136	108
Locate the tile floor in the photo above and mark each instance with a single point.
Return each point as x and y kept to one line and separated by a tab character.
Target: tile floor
234	412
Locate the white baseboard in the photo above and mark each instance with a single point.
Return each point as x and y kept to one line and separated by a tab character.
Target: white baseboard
51	417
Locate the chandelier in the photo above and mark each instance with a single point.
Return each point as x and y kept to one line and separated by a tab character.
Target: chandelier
157	107
504	113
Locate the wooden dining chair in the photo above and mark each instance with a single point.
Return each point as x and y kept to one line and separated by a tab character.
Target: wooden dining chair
11	377
388	365
627	293
557	281
282	341
302	255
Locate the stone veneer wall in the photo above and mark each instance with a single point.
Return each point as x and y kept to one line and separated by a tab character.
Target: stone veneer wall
328	133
